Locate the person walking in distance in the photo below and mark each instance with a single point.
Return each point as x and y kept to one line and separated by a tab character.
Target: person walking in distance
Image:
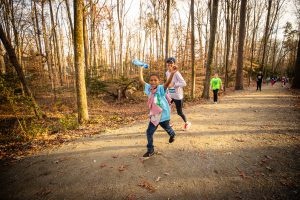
175	90
259	79
216	85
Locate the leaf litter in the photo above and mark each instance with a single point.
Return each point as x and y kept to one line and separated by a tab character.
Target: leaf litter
148	186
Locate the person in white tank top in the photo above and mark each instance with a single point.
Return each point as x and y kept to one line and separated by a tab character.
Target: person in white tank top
175	90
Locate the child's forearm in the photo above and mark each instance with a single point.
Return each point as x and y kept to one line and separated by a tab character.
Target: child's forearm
141	77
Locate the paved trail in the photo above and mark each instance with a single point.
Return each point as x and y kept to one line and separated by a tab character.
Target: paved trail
246	147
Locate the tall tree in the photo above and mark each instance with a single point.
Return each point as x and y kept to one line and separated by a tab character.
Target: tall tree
86	43
92	37
240	58
70	18
200	16
213	30
51	69
296	81
15	62
2	64
38	31
230	7
82	108
254	33
167	32
56	43
193	50
266	36
235	20
121	14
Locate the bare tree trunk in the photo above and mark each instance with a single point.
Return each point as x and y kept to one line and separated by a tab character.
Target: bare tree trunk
213	30
156	29
56	44
86	44
51	72
254	35
186	50
34	28
252	43
13	59
6	17
113	58
235	9
70	18
145	40
266	38
71	39
112	50
63	61
127	54
240	58
199	26
206	43
140	35
92	38
296	81
16	33
193	78
150	48
120	12
101	59
274	49
162	26
217	54
167	32
228	18
79	62
2	64
37	27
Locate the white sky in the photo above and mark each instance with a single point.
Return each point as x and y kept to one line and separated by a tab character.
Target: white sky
288	12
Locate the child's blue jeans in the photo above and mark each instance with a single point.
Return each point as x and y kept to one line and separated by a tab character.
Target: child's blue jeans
151	130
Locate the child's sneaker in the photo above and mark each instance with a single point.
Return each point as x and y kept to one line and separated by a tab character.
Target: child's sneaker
172	139
187	125
149	153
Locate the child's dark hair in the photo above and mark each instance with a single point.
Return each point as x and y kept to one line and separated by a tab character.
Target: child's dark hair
154	74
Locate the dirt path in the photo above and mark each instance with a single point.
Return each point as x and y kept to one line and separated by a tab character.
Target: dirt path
246	147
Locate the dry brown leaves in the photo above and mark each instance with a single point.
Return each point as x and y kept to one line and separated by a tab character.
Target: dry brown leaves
122	168
131	197
148	186
243	174
103	165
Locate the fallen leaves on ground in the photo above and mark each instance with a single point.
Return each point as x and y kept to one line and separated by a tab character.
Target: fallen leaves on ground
239	140
131	197
123	167
43	192
242	174
103	165
145	184
158	179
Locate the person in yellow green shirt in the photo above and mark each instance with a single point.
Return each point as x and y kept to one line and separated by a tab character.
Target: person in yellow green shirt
216	85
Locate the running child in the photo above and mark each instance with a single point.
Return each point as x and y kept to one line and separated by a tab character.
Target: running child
159	108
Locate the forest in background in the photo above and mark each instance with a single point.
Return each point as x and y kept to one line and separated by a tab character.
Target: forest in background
55	53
